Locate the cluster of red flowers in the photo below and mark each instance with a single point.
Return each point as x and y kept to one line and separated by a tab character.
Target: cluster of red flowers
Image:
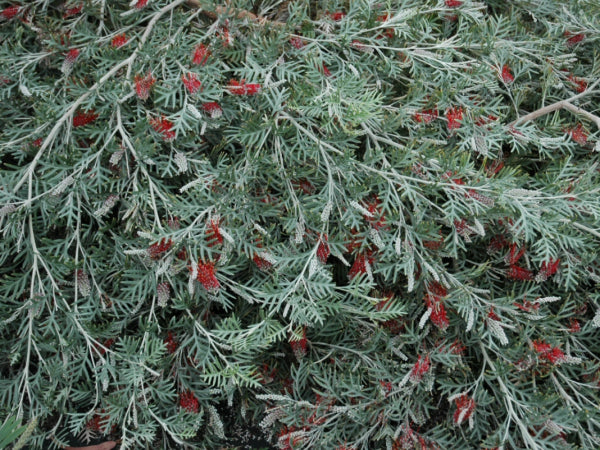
580	83
454	116
200	55
191	82
188	401
578	134
139	4
323	249
516	272
573	38
213	109
207	276
434	301
73	11
325	70
163	126
83	118
296	42
426	115
453	3
143	84
97	422
10	12
106	344
377	217
420	368
549	353
506	75
213	233
242	88
119	41
156	250
171	342
360	264
70	58
337	16
261	263
299	345
547	269
464	408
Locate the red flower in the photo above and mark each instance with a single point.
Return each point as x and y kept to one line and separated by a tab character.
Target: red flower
377	219
547	269
580	83
325	71
453	3
119	41
454	116
514	255
519	273
192	84
507	77
143	85
299	345
188	401
241	88
323	249
337	16
213	234
70	59
206	276
426	116
546	351
156	250
171	343
261	263
434	301
163	126
360	264
106	344
574	326
464	408
83	118
213	109
578	134
10	12
296	42
573	38
139	4
73	11
200	55
420	368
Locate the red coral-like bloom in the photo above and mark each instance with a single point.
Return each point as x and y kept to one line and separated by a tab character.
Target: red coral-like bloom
337	16
10	12
140	4
207	277
188	401
213	109
213	234
296	42
506	75
578	134
119	41
426	116
464	408
242	88
171	343
547	269
163	126
143	85
573	38
191	82
73	11
83	118
453	3
580	83
434	301
519	273
323	249
200	55
547	352
156	250
454	116
420	368
360	264
299	345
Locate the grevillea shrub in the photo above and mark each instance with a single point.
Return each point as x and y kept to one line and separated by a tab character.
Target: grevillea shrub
335	224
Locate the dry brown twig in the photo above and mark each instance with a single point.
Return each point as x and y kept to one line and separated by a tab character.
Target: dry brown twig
563	104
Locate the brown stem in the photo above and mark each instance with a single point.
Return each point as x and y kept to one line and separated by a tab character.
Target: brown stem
563	104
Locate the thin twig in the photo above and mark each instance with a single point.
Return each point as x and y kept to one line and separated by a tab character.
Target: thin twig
563	104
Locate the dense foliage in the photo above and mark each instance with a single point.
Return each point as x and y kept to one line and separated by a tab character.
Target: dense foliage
359	224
